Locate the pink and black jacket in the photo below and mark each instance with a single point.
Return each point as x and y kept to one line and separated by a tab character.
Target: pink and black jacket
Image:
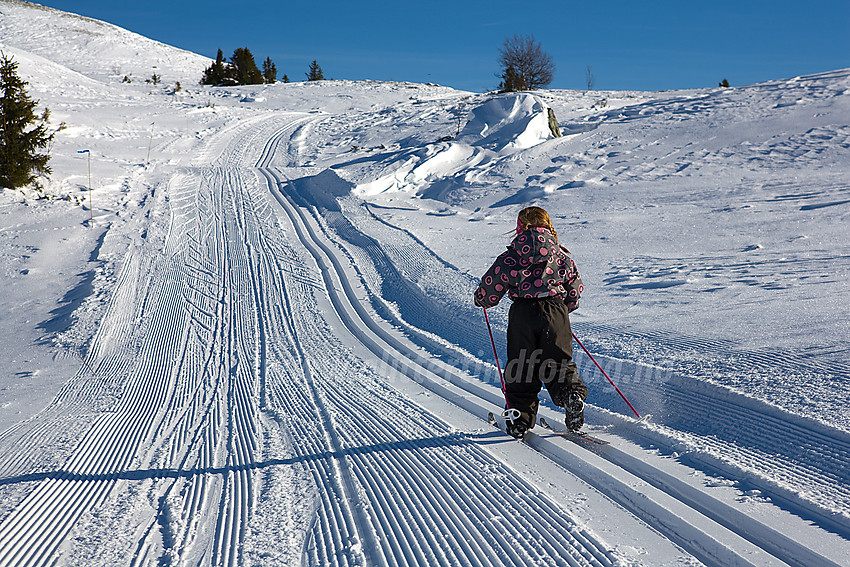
533	267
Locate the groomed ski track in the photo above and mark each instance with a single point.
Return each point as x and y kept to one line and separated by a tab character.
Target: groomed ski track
242	381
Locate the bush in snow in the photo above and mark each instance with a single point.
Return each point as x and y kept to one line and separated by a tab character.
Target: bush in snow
525	66
22	133
511	81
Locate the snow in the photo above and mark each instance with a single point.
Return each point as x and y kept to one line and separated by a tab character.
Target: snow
515	122
262	349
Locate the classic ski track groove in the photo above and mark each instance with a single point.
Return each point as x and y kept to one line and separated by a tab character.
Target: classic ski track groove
760	535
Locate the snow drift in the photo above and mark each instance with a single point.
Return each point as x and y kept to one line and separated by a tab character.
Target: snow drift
495	130
507	123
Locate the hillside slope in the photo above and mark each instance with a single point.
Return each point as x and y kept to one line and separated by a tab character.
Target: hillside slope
94	48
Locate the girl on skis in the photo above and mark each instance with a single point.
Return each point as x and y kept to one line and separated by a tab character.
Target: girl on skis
544	285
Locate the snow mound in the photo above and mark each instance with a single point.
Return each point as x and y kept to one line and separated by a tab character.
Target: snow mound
508	123
495	131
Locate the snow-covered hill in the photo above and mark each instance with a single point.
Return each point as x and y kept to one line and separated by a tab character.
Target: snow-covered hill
93	48
259	346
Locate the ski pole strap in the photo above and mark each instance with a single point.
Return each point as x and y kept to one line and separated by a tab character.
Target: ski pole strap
606	375
496	356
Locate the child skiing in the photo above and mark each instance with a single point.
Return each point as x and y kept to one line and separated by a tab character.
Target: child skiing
544	284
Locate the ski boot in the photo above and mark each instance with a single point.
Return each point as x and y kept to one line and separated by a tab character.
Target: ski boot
574	411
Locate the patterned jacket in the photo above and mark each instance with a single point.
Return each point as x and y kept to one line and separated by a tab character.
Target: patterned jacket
533	266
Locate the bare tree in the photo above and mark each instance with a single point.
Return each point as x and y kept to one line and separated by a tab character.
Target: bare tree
591	80
524	64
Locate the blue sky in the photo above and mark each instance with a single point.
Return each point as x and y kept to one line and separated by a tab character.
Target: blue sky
649	45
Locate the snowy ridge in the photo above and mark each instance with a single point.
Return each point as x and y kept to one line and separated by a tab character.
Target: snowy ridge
493	131
507	123
94	48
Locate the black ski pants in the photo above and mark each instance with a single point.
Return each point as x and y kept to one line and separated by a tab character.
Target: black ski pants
540	351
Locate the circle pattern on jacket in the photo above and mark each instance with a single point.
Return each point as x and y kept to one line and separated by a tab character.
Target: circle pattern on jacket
532	267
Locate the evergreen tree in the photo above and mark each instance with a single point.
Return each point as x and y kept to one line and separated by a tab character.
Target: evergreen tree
269	71
215	73
285	78
511	81
22	133
244	68
315	73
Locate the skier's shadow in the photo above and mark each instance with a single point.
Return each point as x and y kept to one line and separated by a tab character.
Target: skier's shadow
414	445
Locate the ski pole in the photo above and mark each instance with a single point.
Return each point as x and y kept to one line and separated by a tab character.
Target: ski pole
606	375
496	356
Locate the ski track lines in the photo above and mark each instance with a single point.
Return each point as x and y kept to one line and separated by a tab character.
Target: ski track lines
214	323
206	320
762	536
32	534
698	534
424	508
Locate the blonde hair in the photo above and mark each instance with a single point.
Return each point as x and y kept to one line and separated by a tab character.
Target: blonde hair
535	216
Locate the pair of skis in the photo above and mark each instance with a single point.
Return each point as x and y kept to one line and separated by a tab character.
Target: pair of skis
577	436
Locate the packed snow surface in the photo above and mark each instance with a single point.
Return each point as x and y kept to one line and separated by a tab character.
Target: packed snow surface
249	339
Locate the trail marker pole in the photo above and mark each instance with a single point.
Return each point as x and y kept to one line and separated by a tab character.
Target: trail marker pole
150	143
91	208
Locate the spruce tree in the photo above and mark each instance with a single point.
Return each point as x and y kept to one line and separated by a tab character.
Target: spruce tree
285	78
269	71
511	81
315	73
215	73
22	133
244	67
